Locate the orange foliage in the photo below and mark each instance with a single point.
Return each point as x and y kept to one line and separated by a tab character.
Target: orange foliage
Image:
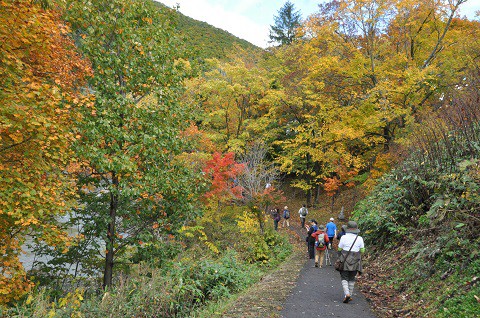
341	178
39	75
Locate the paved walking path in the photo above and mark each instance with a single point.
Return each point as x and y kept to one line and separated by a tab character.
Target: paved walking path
318	293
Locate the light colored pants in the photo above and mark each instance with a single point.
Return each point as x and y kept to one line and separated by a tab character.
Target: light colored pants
319	255
288	223
348	281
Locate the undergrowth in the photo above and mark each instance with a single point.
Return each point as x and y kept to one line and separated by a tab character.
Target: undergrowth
426	214
180	288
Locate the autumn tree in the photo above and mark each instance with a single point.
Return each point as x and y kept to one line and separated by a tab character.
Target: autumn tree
40	76
342	177
258	172
134	179
223	172
348	91
287	22
227	99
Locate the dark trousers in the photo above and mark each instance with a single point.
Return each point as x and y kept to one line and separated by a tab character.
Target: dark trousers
311	249
303	222
275	224
330	241
349	276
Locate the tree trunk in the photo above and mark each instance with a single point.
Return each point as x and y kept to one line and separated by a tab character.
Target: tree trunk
333	202
260	222
309	180
108	272
317	199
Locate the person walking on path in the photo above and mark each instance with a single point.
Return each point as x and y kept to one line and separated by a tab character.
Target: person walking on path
331	232
303	214
286	216
350	249
321	241
310	239
342	232
276	218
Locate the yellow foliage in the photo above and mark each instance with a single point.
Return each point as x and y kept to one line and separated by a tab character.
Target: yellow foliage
383	164
198	233
247	223
39	74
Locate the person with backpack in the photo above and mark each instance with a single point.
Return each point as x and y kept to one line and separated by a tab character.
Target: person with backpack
331	232
303	214
286	216
321	241
310	239
276	218
349	261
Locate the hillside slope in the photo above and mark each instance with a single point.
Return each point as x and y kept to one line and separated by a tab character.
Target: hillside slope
208	41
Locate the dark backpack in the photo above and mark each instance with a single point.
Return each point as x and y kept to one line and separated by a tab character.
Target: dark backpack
276	216
286	214
320	241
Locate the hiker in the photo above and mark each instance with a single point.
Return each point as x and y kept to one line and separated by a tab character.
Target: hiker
286	216
321	241
303	214
331	232
310	239
342	232
350	250
276	218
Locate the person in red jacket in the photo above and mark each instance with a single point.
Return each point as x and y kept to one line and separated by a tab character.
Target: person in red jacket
321	240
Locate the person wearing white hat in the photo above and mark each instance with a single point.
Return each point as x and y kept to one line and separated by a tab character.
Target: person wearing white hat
331	232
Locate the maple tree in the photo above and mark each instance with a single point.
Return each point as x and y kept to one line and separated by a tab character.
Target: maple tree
136	184
342	177
223	171
40	75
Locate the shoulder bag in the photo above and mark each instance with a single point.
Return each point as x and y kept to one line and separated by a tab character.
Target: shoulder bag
339	263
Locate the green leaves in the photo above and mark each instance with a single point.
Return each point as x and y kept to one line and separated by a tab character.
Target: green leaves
287	24
131	140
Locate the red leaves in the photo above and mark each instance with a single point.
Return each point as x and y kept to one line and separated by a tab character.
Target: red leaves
223	171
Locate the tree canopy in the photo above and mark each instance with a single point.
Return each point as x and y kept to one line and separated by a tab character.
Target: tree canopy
133	178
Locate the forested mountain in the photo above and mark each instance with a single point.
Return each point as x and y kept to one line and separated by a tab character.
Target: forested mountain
208	41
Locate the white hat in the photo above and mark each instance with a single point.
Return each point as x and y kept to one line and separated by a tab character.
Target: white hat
331	219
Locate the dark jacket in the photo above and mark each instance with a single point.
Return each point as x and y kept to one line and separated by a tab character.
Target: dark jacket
340	234
276	216
310	239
